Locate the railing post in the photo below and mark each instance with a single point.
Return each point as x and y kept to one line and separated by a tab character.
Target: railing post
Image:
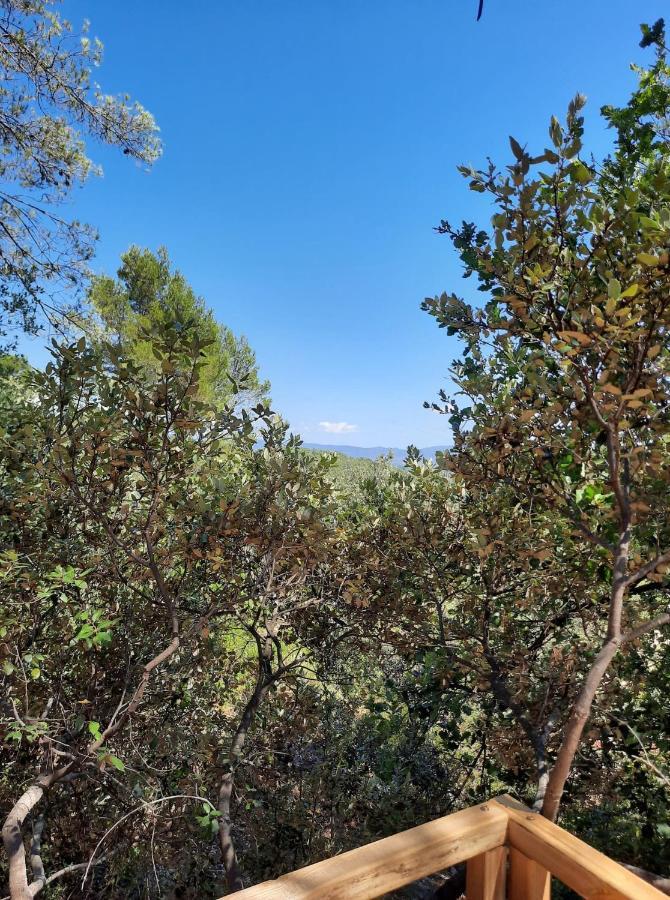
487	875
526	879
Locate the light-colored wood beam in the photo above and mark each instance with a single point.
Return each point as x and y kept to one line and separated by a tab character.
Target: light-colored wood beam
487	875
587	871
392	862
537	847
527	880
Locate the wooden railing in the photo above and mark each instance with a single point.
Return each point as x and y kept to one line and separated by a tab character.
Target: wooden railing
510	853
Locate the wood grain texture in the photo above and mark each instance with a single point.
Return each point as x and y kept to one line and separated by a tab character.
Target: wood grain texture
392	862
527	880
487	875
587	871
537	847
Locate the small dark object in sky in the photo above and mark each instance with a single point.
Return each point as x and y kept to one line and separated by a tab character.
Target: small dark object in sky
480	10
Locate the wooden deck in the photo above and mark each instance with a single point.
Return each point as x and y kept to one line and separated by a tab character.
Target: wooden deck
511	854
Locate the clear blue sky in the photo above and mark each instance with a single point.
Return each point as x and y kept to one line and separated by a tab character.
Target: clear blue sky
310	148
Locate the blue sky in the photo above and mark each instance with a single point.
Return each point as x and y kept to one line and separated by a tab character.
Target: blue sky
310	148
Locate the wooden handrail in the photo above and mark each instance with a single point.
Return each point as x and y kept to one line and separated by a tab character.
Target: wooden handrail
584	869
511	852
393	861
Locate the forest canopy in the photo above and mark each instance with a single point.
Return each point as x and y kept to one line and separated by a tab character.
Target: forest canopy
224	656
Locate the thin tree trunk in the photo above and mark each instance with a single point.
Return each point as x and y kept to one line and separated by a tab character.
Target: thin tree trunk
226	842
542	784
581	710
575	728
12	834
12	838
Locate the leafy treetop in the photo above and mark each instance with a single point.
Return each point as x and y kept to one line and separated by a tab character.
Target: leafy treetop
48	105
149	294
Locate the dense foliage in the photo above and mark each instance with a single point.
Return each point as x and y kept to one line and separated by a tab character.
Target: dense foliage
48	106
147	294
566	375
224	656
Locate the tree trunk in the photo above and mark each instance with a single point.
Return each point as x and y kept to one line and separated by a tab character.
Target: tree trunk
12	835
581	711
542	784
12	838
575	728
226	842
228	854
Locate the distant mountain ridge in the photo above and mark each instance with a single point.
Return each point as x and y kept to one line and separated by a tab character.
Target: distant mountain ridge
398	455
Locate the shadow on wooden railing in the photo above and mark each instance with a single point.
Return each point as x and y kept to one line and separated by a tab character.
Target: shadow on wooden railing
510	852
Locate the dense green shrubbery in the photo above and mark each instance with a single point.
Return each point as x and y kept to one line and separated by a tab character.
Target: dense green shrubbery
224	656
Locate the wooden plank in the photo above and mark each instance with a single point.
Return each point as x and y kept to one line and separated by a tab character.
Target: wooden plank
268	890
487	875
527	880
392	862
585	870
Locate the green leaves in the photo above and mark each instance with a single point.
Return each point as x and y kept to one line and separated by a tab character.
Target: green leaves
104	757
150	302
44	154
653	35
580	173
631	291
108	759
614	289
118	764
568	392
96	632
84	632
94	730
556	132
65	582
208	821
30	732
593	494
